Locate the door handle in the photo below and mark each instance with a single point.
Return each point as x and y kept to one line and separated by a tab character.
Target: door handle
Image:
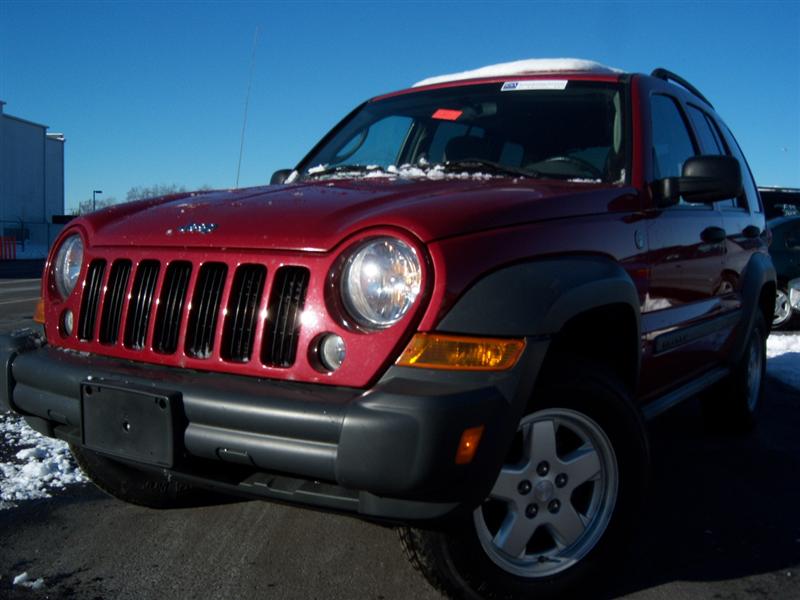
751	231
713	235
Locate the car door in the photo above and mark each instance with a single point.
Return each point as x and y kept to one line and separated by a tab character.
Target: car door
682	335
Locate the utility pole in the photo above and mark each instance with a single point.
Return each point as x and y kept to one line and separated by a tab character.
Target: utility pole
94	198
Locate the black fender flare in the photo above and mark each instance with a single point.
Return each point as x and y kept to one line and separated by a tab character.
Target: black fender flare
758	273
538	298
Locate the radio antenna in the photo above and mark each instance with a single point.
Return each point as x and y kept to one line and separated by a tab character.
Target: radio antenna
247	104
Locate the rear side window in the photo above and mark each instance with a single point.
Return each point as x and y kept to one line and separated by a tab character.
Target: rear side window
750	190
710	142
672	144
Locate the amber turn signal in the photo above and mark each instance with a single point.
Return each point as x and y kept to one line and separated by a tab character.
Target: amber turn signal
435	351
468	445
38	315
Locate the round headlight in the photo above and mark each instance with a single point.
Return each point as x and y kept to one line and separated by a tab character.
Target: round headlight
381	281
68	265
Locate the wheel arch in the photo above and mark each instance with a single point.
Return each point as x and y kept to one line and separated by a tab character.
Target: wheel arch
585	305
759	285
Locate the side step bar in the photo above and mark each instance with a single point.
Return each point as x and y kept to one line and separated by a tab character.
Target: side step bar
694	387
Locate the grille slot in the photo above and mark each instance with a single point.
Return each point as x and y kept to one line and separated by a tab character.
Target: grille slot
141	303
91	298
283	321
170	307
115	296
205	306
240	325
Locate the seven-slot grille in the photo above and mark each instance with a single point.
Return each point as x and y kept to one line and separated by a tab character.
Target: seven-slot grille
130	297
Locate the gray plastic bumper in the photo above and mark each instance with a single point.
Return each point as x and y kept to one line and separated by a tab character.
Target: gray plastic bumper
388	451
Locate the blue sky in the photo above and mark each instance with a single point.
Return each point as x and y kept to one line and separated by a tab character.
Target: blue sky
153	92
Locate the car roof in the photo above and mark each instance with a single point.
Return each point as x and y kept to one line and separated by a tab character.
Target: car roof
530	66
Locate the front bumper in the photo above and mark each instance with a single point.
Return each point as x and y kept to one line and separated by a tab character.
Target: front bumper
387	452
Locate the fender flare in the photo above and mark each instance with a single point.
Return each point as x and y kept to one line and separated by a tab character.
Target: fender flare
758	273
538	298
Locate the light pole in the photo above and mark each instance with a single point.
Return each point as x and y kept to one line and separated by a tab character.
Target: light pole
94	194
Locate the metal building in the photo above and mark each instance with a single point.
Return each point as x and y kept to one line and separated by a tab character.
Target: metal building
31	186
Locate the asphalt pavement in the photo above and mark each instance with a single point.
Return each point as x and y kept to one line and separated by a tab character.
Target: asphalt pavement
722	522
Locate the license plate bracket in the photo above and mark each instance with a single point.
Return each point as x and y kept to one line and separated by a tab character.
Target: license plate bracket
127	422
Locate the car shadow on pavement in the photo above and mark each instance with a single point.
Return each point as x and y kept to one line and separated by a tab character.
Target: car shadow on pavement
721	507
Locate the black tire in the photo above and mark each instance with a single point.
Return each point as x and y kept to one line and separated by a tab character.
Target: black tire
456	561
732	405
144	488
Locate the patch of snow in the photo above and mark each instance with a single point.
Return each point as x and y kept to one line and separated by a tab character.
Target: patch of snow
584	180
40	465
423	170
24	580
783	358
528	66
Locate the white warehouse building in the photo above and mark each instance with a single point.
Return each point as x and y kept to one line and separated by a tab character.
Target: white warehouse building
31	186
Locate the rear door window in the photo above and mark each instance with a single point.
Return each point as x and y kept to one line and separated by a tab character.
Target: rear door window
672	144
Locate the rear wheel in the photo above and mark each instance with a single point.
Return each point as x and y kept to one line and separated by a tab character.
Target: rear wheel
561	508
732	404
151	489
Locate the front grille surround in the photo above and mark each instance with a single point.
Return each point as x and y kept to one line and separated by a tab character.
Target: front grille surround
369	354
207	311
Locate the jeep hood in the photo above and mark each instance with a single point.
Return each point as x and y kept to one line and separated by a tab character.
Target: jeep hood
316	216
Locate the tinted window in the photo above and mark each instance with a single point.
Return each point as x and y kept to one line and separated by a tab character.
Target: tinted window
574	133
672	144
750	190
709	141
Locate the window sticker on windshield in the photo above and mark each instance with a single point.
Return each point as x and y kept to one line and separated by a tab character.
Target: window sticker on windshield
447	114
539	84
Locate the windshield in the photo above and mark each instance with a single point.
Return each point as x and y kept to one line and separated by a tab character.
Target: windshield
525	128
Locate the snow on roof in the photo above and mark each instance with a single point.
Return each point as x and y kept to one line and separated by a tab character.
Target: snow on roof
525	67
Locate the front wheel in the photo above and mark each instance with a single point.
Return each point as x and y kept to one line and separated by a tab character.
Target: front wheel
562	506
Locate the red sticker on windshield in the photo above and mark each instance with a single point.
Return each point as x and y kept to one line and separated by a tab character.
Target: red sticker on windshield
446	114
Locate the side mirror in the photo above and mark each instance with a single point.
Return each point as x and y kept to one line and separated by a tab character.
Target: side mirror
703	179
280	176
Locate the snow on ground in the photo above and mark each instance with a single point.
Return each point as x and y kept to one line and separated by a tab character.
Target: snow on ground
31	466
24	580
783	358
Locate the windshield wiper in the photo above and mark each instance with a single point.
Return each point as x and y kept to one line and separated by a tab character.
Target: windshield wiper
326	170
479	164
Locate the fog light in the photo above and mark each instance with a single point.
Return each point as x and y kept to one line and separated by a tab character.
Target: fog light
332	351
68	321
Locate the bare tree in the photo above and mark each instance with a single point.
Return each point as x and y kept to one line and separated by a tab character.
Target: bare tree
153	191
85	206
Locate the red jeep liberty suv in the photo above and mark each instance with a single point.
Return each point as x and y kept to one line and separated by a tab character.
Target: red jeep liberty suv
454	315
